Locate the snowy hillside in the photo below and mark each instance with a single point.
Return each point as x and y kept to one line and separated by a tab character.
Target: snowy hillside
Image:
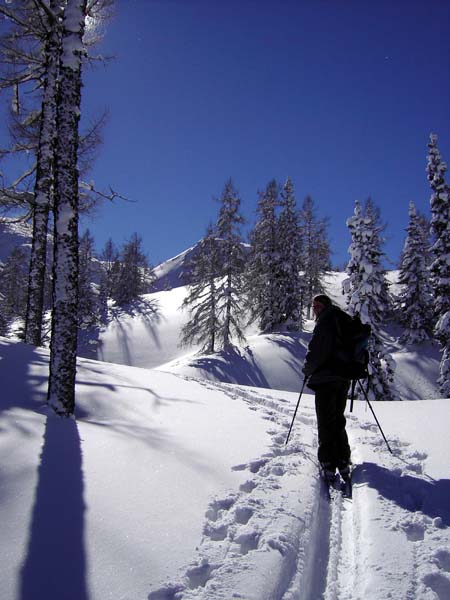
169	273
142	338
174	272
167	488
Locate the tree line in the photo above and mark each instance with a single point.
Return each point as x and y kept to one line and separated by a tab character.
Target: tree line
271	279
119	273
269	282
273	283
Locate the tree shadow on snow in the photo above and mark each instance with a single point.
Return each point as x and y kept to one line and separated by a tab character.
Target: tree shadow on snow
55	564
297	348
20	387
231	366
148	310
413	494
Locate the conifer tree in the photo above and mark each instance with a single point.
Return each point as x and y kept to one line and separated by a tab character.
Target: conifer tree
316	252
230	292
13	285
88	306
135	272
415	297
110	270
367	296
203	326
440	251
290	250
264	263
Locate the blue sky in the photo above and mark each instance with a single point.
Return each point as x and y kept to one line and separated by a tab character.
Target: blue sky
340	95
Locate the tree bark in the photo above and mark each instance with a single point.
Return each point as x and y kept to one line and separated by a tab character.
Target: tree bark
43	190
61	389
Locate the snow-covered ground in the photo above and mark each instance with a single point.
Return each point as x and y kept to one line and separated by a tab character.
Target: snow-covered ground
174	481
166	487
144	338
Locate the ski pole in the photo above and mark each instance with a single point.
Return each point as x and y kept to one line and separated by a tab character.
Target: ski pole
352	394
296	408
375	416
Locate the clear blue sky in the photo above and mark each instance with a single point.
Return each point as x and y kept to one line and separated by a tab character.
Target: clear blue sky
339	94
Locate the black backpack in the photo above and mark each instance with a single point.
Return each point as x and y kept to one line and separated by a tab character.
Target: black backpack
352	354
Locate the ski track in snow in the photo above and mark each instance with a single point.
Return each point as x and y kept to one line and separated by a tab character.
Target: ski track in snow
322	545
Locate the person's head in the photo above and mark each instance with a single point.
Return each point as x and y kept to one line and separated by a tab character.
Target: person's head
320	303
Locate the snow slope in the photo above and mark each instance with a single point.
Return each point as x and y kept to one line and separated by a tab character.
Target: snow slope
170	488
144	338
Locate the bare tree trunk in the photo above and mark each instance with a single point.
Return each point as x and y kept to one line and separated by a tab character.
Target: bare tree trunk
43	192
61	389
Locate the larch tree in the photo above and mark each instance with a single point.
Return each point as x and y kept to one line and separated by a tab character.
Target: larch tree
31	50
13	285
263	270
203	326
88	305
367	295
415	306
44	182
63	345
290	250
316	252
231	288
110	270
136	273
440	252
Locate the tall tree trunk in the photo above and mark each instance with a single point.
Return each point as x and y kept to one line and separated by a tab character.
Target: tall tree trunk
61	389
227	323
43	189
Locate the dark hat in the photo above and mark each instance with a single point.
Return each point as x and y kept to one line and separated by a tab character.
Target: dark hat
323	299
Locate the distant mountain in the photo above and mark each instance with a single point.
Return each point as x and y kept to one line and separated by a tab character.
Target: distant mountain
169	274
174	272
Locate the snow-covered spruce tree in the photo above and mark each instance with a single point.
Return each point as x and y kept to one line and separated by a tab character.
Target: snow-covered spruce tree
316	252
366	291
440	252
415	297
63	346
263	269
290	250
136	273
203	326
230	291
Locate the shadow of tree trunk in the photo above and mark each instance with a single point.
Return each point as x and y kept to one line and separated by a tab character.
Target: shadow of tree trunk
55	565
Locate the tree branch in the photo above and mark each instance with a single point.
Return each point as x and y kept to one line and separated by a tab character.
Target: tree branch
111	196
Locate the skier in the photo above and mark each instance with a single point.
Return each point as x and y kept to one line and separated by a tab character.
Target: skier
331	388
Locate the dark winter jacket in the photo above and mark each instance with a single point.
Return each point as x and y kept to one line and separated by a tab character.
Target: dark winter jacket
321	364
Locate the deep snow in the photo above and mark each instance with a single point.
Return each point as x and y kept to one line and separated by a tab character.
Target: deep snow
166	487
175	483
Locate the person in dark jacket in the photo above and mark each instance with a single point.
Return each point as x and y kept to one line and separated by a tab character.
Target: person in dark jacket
322	369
